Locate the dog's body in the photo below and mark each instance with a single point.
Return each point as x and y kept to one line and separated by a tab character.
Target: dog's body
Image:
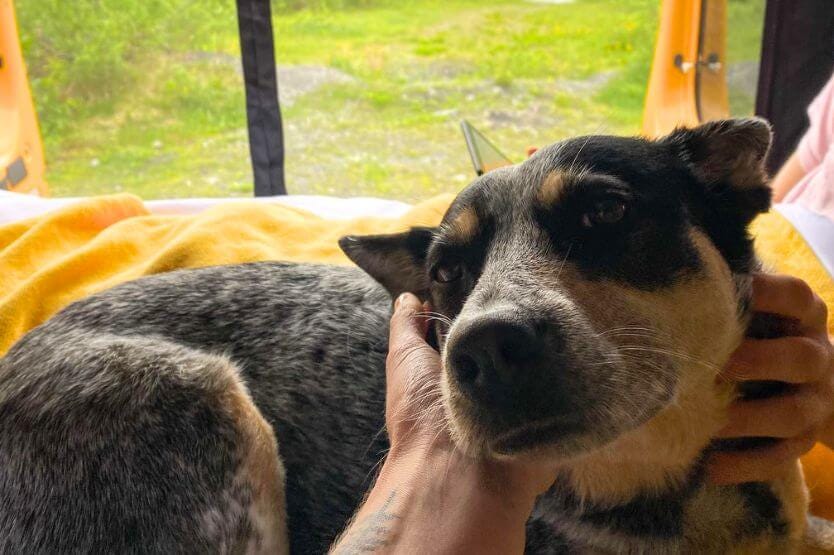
145	418
310	343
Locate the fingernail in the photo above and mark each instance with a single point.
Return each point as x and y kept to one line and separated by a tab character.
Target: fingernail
400	300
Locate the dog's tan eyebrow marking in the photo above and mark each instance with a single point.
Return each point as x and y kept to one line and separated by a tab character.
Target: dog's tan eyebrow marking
551	188
464	226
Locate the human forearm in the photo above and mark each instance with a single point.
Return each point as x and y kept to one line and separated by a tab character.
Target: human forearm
788	176
441	499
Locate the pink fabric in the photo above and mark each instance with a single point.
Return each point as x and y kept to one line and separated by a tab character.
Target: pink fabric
815	190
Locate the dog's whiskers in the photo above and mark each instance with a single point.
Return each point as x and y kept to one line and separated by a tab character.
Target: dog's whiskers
374	440
626	329
436	316
564	260
668	352
376	465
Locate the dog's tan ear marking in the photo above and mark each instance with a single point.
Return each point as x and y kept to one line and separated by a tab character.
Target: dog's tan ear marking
729	154
397	260
463	228
550	189
554	185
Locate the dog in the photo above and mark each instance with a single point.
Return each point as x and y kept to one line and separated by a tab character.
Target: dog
589	297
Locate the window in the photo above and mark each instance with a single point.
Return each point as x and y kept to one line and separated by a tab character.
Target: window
147	96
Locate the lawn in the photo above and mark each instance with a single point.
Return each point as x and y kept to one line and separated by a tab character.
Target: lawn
146	96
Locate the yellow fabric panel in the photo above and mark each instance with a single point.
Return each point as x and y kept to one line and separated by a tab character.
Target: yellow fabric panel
784	250
50	261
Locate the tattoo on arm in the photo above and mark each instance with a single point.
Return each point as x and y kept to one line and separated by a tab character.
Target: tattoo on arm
372	533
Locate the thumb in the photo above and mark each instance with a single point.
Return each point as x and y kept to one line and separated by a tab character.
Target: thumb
406	329
413	366
408	352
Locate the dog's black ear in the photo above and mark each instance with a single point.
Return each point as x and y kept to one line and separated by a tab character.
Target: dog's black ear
728	157
397	261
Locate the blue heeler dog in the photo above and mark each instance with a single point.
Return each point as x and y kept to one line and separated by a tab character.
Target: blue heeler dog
590	296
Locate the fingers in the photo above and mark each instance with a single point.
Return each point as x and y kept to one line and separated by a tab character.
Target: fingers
786	359
782	417
806	361
756	465
791	297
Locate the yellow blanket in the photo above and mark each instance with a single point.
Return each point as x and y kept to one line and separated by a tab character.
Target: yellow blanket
50	261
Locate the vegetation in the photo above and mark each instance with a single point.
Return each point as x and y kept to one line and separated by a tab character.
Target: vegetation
147	96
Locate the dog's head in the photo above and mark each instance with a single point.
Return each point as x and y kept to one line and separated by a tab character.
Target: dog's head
591	291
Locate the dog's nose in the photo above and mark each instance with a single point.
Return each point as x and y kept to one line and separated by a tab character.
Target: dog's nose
488	360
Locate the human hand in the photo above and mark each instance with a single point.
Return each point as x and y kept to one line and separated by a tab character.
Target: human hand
802	415
427	488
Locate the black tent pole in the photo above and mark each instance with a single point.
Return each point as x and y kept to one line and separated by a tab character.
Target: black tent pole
263	112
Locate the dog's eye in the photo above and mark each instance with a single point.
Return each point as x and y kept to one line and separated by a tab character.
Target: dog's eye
604	212
447	273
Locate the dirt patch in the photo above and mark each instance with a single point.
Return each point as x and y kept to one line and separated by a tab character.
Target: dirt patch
297	81
293	81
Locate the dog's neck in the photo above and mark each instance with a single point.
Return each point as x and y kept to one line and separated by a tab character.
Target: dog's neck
656	504
647	522
692	518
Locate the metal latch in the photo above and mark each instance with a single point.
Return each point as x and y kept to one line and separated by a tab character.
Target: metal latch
712	63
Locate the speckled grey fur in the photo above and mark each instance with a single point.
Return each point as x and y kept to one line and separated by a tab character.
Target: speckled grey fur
104	432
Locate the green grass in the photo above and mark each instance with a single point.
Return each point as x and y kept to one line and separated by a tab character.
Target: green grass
145	95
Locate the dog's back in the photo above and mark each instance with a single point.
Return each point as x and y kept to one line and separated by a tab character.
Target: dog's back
128	423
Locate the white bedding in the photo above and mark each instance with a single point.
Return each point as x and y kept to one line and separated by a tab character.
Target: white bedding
15	206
